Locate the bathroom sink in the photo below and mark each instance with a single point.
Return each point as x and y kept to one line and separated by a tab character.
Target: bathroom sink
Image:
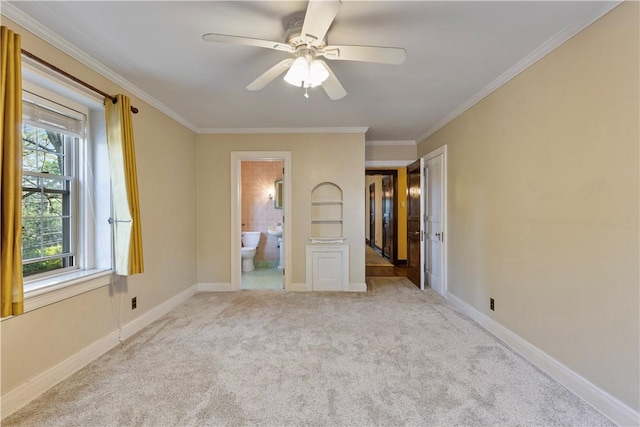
275	230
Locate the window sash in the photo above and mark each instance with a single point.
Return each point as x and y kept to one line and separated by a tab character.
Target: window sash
60	192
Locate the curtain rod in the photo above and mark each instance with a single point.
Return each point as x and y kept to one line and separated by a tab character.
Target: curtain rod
30	55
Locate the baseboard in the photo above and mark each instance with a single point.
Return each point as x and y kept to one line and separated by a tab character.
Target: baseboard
401	262
214	287
608	405
357	287
33	388
299	287
157	312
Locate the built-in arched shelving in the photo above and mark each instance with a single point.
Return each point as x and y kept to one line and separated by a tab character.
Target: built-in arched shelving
327	213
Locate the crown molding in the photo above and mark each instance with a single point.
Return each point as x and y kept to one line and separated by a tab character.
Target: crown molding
405	142
283	130
24	20
588	18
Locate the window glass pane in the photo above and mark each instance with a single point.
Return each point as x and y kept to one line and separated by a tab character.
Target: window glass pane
46	202
43	150
31	239
42	266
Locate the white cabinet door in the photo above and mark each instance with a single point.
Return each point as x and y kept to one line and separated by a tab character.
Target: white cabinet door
328	268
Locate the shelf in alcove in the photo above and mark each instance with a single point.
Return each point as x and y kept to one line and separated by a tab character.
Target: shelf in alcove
328	239
319	221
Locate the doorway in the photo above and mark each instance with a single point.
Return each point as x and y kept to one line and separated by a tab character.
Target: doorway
382	233
272	193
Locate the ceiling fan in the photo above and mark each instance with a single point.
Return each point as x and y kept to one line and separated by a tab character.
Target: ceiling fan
305	40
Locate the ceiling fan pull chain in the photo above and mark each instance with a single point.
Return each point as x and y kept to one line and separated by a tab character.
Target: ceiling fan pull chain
306	93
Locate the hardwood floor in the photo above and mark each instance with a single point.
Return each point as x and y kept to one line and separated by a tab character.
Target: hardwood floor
376	271
378	266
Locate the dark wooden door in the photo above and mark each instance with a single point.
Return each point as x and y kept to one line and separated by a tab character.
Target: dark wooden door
372	215
387	217
413	223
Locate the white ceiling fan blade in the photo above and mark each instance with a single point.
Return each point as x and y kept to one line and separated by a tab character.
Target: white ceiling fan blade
248	41
332	85
270	75
384	55
318	18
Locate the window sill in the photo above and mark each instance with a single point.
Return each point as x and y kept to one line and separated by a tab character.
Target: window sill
47	291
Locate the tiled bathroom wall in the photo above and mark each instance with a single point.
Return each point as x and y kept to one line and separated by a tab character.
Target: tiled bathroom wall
258	212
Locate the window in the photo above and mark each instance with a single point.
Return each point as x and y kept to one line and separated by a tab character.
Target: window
52	137
66	243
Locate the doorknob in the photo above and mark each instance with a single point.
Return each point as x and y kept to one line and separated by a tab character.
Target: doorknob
439	236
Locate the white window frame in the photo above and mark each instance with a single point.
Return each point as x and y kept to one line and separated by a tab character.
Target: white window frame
94	259
74	146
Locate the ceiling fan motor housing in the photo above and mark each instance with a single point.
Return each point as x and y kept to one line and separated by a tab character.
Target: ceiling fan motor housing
293	30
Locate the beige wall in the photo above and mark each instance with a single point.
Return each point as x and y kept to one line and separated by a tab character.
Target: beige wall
543	200
165	150
390	152
315	158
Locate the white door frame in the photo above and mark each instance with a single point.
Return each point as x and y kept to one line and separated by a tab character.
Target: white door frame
425	184
237	157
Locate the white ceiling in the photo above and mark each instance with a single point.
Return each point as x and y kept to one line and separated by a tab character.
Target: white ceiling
456	53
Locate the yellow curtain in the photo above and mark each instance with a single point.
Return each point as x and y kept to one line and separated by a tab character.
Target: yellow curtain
124	187
11	173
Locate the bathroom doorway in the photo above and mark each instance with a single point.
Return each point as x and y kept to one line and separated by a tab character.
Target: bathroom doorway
259	230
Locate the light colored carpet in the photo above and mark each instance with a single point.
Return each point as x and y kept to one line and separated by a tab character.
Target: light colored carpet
373	259
392	356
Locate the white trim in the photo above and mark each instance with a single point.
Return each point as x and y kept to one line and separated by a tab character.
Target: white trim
214	287
608	405
409	142
387	163
236	209
445	261
588	18
64	287
357	287
20	18
33	388
357	130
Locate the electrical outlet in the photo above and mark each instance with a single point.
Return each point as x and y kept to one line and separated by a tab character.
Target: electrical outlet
492	304
134	303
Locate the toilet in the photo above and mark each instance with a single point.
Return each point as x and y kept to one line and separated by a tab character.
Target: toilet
250	240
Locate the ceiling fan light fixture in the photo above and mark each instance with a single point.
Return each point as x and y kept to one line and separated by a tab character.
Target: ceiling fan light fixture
317	73
305	73
298	72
